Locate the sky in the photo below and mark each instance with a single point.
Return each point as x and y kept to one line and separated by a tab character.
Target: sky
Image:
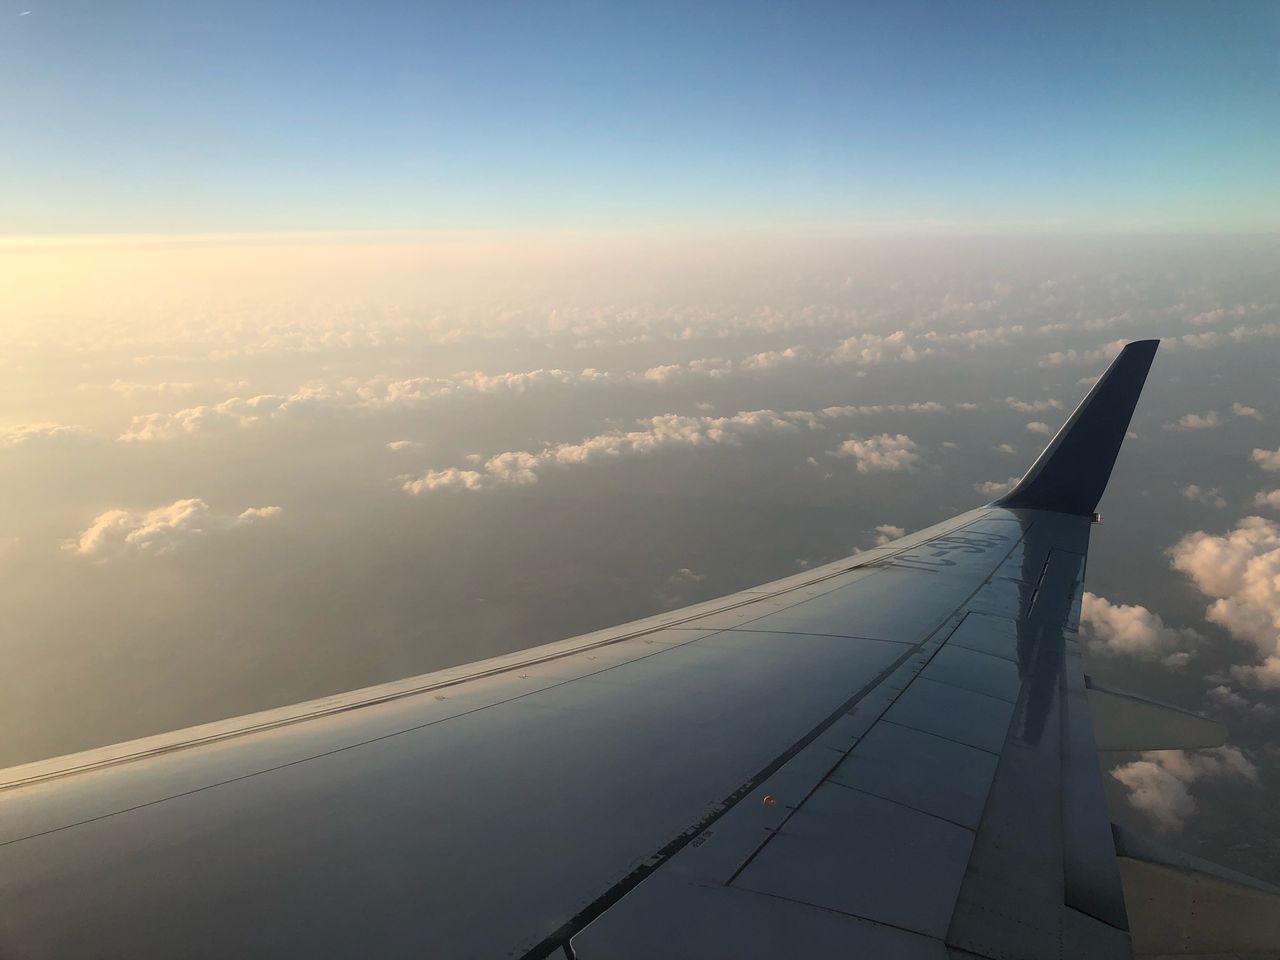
340	344
160	117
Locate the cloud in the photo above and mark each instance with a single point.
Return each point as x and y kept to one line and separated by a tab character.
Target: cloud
41	435
1230	699
1210	317
1269	460
1159	783
131	388
981	337
679	587
770	359
881	453
523	467
1210	498
1216	338
887	532
1122	629
1037	426
1240	571
416	391
1005	448
230	413
995	488
1033	406
872	348
1196	421
450	478
709	368
685	575
1267	498
381	393
1064	358
404	446
375	394
928	406
159	531
1240	410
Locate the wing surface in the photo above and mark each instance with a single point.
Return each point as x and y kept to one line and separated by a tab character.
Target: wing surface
887	756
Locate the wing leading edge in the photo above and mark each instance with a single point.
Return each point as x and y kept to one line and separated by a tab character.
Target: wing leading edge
888	756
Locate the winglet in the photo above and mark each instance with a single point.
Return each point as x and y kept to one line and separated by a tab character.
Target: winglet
1072	472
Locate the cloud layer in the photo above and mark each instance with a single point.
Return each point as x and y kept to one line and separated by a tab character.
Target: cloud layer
669	431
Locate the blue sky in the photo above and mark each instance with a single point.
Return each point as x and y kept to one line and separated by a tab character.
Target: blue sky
186	118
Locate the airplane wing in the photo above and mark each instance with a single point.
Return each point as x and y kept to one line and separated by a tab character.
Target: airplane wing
889	756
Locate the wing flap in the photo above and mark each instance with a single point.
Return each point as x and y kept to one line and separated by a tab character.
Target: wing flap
1180	906
1127	722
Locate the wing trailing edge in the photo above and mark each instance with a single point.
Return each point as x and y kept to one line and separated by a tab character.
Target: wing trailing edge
1072	472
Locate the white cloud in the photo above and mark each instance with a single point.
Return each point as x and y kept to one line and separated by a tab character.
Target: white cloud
771	359
995	488
679	587
1006	448
41	435
159	531
980	337
1123	629
233	412
404	446
1210	498
131	388
523	467
254	514
1269	460
1210	317
881	453
450	478
871	348
1037	426
1240	570
928	406
1240	410
1196	421
1267	498
1217	338
1033	406
685	575
1064	358
1159	783
887	532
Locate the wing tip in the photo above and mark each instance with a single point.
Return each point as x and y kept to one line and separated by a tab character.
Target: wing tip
1071	474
